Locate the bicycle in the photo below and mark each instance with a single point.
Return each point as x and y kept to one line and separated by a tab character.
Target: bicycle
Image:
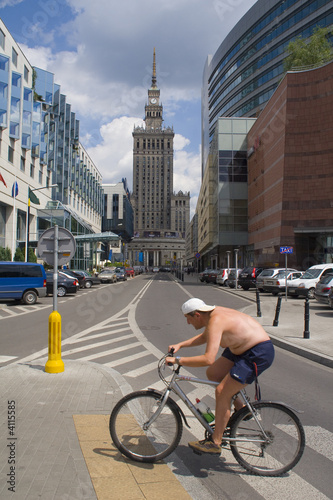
265	437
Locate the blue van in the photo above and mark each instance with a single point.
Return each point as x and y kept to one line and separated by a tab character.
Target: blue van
24	281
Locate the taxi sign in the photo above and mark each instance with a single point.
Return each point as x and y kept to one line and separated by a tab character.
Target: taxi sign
286	249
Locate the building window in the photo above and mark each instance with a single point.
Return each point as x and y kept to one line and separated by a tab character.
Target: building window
32	170
22	165
2	39
14	57
4	63
26	73
10	154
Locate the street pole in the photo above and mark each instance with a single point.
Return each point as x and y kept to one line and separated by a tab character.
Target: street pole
236	266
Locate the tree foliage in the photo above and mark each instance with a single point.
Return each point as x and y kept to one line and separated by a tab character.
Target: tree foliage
19	255
5	254
313	51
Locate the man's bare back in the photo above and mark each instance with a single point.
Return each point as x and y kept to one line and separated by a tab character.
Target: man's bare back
239	332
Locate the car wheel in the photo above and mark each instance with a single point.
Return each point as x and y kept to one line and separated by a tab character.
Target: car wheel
88	284
245	287
61	291
30	297
310	294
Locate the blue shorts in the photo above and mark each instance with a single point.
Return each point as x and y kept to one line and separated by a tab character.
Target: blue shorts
260	356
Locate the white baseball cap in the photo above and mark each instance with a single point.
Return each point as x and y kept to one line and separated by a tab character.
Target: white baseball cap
196	305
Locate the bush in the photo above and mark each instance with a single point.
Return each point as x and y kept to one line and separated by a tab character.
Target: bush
19	255
5	254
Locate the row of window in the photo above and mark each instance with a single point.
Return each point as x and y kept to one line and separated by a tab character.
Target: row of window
152	144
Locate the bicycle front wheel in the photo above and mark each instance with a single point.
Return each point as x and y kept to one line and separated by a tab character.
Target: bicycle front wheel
135	437
283	447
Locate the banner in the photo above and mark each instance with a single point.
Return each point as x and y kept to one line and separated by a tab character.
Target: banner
33	198
15	190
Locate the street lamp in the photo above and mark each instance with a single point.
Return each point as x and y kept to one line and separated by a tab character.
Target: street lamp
26	257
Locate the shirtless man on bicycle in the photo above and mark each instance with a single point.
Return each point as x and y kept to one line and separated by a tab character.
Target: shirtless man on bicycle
248	351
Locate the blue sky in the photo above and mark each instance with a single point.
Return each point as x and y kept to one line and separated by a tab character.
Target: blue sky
101	53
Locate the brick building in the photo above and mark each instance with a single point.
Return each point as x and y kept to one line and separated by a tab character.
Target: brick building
290	172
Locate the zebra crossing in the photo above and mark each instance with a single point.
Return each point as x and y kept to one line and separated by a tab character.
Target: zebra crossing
118	342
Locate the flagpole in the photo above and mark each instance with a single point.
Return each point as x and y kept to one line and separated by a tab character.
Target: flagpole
14	218
27	230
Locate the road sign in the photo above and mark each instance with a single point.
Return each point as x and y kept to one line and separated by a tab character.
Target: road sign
286	249
66	246
197	255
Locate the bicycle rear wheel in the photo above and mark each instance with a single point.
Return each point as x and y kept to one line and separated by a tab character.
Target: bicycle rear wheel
285	445
127	427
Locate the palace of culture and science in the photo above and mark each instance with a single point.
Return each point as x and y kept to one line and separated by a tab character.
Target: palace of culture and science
160	216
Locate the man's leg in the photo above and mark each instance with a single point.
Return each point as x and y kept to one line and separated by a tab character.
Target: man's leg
218	370
224	393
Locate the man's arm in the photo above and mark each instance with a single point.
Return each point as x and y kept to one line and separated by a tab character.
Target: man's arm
212	337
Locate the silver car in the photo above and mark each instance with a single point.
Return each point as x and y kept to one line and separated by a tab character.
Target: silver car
323	288
269	273
277	284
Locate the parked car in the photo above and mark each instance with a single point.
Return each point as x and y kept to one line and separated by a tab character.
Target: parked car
73	274
155	269
90	280
129	272
108	276
277	284
248	277
268	273
330	298
212	276
231	281
66	284
305	285
25	281
203	275
222	276
323	288
139	269
121	274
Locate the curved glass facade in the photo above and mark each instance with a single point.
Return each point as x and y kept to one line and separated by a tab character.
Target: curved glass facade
247	67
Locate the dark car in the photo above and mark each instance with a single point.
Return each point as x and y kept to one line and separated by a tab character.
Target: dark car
65	284
248	277
204	274
121	274
330	298
231	281
90	280
212	276
73	274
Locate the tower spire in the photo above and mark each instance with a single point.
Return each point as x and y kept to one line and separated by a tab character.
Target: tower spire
153	81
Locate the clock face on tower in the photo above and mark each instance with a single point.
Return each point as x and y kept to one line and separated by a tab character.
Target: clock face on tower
153	100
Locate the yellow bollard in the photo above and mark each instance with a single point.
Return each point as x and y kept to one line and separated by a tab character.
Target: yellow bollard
54	363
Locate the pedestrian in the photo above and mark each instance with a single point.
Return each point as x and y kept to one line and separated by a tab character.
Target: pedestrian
248	351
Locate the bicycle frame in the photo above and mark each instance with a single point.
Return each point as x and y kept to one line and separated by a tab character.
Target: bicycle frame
174	387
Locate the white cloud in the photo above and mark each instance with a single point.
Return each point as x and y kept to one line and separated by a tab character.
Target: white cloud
9	3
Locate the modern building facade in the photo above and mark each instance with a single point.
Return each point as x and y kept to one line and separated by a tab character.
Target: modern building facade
160	216
118	218
40	148
223	200
242	75
290	168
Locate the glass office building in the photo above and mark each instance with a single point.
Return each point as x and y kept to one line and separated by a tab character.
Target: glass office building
247	67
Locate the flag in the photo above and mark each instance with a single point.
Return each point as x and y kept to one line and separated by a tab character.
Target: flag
33	198
15	190
3	180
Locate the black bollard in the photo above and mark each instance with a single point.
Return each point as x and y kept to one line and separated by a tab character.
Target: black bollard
306	334
258	303
277	311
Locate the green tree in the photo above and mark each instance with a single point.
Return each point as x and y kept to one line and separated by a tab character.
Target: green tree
32	256
313	51
19	255
5	254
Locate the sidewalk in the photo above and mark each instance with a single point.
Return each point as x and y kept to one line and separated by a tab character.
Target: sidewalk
59	447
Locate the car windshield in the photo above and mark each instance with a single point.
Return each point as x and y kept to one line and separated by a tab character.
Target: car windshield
281	274
326	279
311	273
267	272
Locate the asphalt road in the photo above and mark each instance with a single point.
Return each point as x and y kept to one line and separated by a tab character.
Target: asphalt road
148	308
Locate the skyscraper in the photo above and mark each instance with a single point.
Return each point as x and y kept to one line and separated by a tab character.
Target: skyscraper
160	216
